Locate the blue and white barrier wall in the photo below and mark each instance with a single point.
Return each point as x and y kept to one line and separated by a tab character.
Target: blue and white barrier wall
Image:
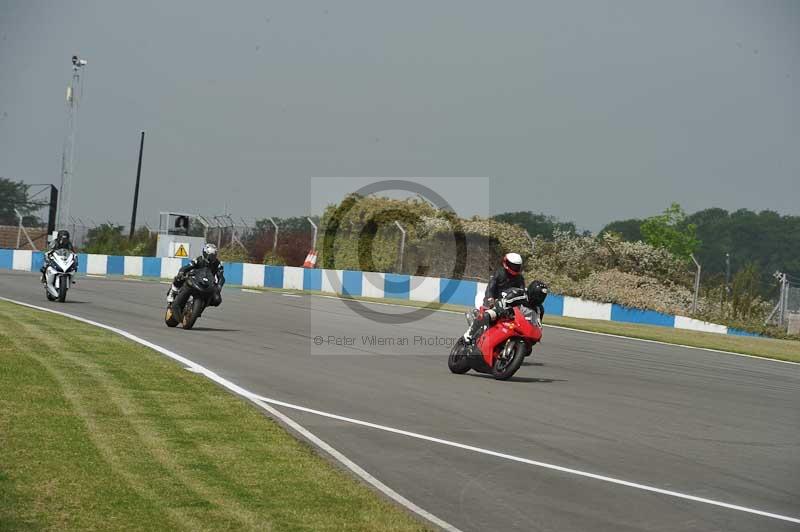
363	284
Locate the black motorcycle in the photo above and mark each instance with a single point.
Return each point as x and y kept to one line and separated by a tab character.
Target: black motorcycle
192	299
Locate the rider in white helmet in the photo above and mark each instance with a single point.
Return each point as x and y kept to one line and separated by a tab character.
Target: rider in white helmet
505	278
207	259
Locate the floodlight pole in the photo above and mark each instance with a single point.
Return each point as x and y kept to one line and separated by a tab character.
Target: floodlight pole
68	154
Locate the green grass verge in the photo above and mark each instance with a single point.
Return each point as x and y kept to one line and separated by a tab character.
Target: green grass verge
747	345
99	433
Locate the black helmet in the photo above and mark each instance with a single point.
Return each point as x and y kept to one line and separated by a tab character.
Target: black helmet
62	236
537	292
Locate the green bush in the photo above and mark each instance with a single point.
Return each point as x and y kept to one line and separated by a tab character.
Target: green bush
233	253
273	259
108	239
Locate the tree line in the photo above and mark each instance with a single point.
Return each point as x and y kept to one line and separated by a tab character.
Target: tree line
757	243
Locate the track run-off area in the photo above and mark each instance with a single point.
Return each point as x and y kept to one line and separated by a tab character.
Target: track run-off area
594	433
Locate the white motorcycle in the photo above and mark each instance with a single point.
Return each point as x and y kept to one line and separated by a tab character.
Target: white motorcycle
61	266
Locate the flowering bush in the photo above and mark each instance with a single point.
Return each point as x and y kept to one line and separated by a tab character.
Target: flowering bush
360	233
614	286
578	257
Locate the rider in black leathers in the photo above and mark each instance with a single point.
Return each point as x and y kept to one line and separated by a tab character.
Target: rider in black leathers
530	301
506	277
207	260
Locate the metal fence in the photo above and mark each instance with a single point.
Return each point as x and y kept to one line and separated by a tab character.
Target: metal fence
788	304
793	297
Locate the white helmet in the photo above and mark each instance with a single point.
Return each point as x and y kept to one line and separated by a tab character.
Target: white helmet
209	252
512	263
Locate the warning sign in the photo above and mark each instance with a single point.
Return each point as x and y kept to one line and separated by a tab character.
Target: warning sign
180	250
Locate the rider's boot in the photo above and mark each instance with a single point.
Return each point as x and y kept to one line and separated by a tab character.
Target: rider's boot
471	317
471	335
173	291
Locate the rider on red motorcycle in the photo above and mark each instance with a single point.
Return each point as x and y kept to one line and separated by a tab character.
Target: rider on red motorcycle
530	301
504	278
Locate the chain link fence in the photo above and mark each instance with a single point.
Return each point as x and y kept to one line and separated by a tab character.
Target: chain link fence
793	297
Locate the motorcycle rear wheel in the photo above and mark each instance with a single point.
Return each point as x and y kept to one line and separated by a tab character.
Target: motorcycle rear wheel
458	361
505	368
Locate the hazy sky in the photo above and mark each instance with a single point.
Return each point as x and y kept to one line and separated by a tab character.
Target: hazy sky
585	110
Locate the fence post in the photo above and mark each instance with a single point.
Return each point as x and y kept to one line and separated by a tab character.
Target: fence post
696	283
785	306
314	241
533	246
402	245
275	238
21	228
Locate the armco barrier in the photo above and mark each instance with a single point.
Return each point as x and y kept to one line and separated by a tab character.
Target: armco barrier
366	284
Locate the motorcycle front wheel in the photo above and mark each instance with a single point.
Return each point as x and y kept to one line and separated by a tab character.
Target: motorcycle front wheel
62	289
457	361
192	312
509	361
169	317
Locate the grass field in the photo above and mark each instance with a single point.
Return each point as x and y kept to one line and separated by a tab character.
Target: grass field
99	433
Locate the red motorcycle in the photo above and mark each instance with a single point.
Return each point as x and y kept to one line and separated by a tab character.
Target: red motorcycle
501	348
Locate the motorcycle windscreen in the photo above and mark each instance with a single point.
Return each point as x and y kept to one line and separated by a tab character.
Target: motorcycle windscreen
527	324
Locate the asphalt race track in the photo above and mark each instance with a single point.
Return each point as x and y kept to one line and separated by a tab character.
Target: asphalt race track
705	424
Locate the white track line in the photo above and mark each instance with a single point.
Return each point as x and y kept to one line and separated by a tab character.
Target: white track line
528	461
197	368
249	291
265	402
